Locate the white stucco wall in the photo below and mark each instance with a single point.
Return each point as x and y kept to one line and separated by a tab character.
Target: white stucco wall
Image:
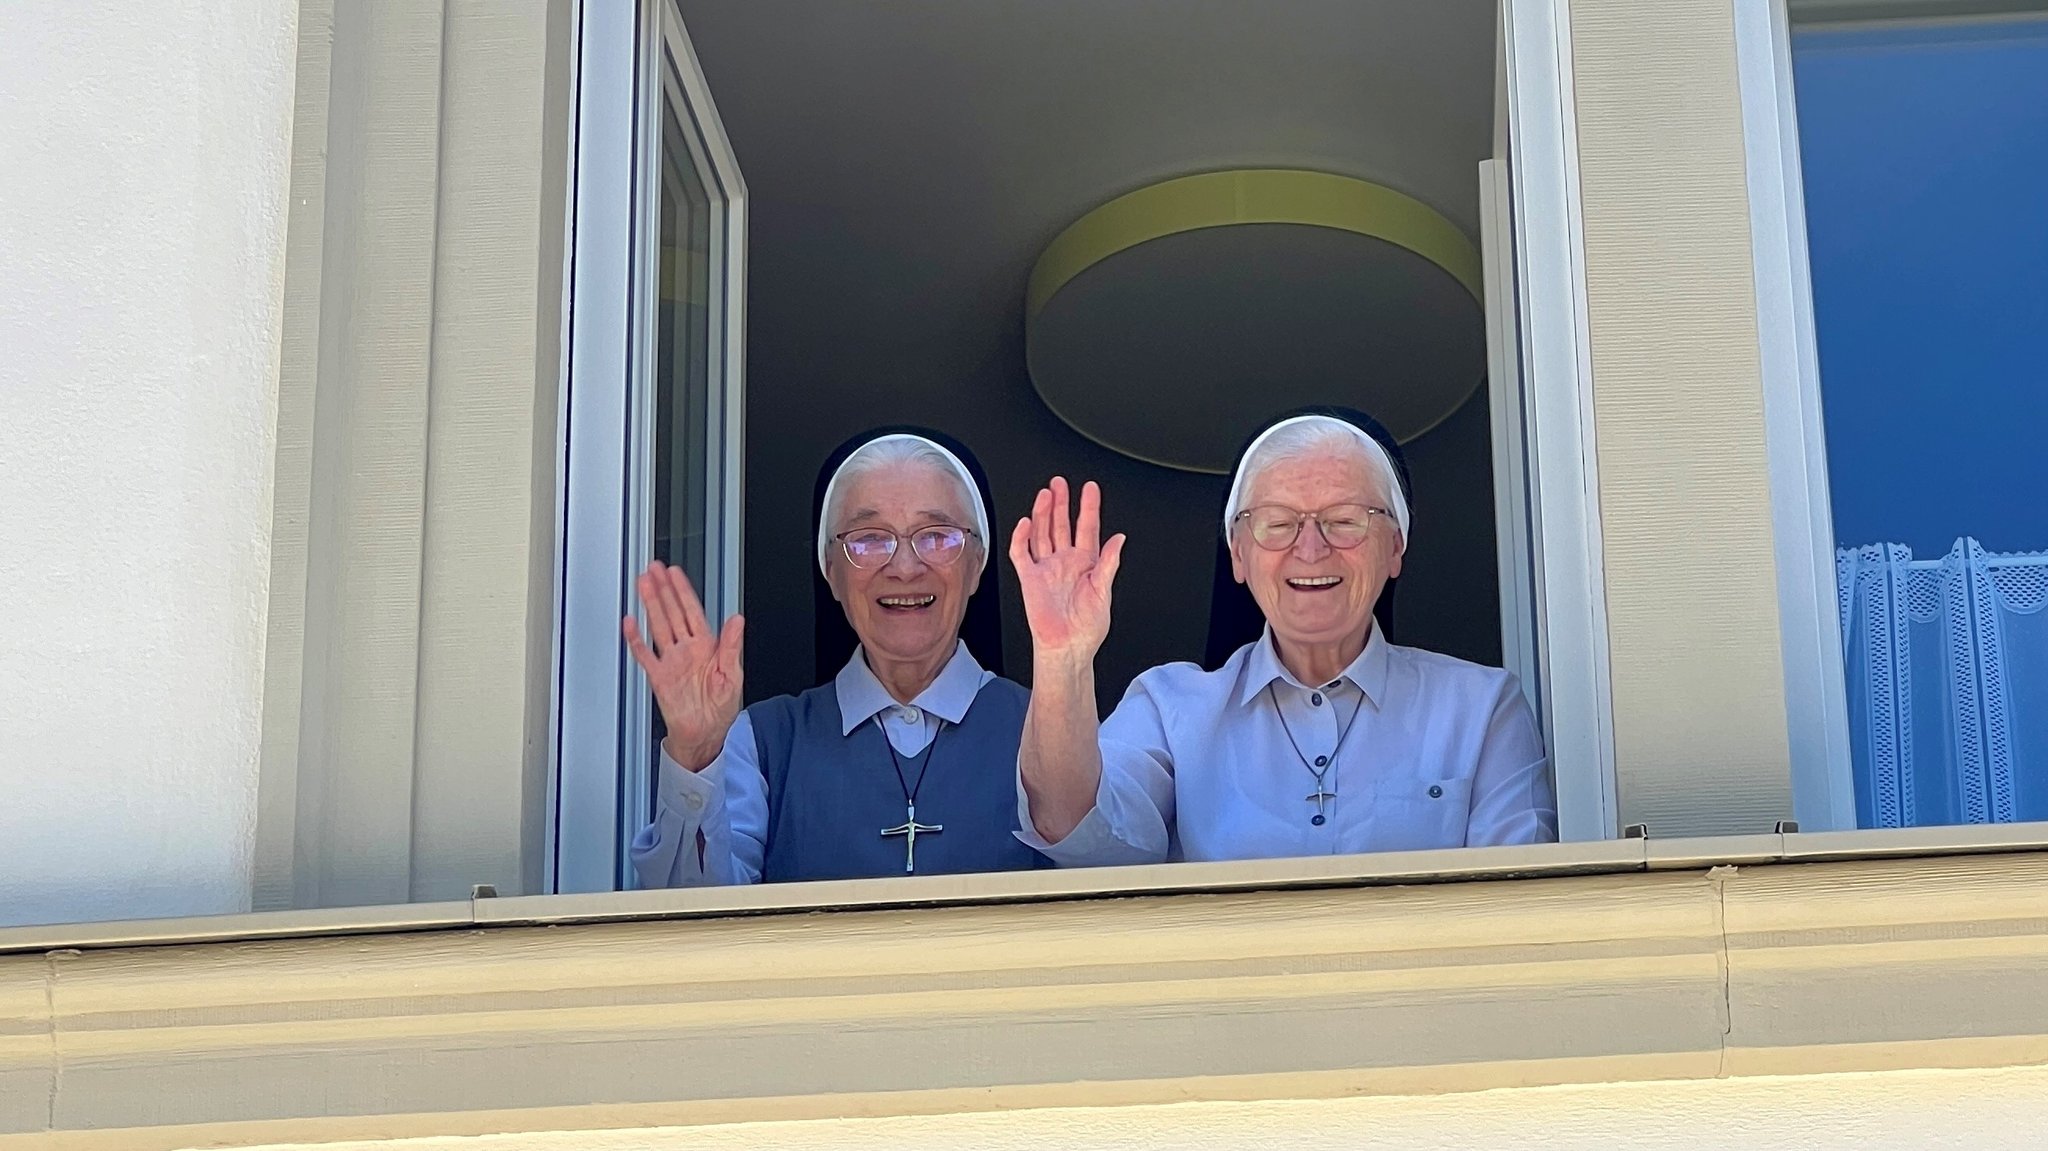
1977	1110
143	162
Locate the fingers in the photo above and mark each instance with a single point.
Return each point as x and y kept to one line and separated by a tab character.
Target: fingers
1053	525
692	607
636	645
1062	526
673	605
730	642
1106	567
1088	527
1020	545
1041	525
661	627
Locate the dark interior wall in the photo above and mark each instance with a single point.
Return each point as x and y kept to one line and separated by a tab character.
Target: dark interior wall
1449	599
800	406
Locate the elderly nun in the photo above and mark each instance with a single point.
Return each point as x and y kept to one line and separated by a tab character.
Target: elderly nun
1318	738
903	762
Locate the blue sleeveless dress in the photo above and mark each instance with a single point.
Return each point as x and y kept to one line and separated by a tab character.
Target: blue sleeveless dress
831	795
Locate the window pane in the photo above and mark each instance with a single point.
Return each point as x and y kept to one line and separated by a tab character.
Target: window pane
1925	151
682	355
682	363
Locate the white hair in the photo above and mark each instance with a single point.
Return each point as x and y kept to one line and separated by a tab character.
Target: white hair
896	450
1301	436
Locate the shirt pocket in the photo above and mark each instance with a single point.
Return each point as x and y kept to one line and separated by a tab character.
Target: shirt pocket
1420	814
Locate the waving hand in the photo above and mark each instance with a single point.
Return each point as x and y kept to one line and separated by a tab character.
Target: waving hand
695	674
1066	572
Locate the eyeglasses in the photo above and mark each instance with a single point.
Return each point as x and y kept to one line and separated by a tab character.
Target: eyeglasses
939	545
1275	527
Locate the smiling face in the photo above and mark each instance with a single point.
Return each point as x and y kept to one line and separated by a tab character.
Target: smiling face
908	610
1314	595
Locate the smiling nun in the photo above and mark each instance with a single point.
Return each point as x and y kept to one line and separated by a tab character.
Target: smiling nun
1318	738
903	762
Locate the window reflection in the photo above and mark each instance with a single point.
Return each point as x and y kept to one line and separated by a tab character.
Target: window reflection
682	360
1925	147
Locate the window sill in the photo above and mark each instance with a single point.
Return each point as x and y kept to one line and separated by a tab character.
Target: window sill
1627	960
1538	861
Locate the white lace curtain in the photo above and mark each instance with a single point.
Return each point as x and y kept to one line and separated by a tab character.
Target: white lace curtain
1947	669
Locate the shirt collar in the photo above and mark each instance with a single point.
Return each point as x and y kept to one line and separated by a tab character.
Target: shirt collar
1368	672
862	696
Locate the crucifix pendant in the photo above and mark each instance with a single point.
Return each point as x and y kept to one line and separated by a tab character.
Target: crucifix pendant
1319	797
909	831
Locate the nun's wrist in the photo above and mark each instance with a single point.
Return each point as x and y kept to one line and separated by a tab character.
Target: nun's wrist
1063	668
692	756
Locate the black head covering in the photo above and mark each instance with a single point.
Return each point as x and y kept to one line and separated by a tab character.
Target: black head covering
982	627
1234	616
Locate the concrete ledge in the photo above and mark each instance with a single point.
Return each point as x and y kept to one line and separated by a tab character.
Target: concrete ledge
1461	865
1674	973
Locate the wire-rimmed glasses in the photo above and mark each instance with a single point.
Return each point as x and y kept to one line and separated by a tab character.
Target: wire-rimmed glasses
939	545
1275	527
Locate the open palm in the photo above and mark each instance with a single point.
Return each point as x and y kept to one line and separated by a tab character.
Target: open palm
1066	572
695	674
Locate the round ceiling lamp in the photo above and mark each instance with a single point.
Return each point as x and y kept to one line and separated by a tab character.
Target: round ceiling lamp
1167	323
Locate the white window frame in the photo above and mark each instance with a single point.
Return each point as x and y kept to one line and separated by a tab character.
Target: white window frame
1566	634
601	781
1816	697
1520	648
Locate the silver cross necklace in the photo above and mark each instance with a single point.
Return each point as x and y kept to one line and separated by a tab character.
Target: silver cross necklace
1323	765
910	828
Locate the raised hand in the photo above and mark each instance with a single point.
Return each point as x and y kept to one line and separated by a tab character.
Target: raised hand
695	674
1066	572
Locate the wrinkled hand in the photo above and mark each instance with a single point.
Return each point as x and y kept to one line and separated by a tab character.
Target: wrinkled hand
1066	572
695	674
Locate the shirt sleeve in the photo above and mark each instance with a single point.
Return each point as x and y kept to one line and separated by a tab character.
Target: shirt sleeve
710	827
1512	797
1133	812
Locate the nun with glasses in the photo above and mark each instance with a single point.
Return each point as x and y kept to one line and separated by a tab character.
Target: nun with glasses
1319	737
900	763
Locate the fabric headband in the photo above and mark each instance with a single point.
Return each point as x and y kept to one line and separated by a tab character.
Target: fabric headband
952	461
1373	452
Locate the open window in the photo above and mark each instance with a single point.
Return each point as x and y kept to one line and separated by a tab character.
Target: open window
916	169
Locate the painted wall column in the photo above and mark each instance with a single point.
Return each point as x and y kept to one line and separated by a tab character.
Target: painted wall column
1691	576
406	703
142	239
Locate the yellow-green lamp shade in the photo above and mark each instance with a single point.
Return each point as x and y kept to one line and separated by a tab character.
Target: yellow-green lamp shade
1167	323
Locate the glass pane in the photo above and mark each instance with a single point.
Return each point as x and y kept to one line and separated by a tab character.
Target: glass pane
1925	155
683	368
682	355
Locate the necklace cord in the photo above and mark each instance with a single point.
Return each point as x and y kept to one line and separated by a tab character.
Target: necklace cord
1342	735
924	761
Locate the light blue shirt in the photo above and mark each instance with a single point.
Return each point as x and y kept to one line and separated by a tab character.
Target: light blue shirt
1217	765
726	804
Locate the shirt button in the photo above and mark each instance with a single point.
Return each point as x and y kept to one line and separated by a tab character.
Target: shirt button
1316	699
1435	792
1322	761
908	714
696	802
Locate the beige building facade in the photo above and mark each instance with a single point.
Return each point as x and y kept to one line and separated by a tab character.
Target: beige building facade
281	830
